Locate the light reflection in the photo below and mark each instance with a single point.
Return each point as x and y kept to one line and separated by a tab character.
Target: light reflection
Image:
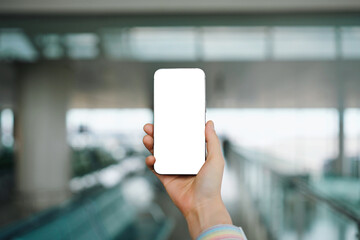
139	192
108	177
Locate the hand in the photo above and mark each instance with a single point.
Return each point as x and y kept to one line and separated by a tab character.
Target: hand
198	197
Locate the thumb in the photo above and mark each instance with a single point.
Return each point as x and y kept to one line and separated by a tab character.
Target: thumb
213	143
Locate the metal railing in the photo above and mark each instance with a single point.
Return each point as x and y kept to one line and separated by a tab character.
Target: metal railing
288	205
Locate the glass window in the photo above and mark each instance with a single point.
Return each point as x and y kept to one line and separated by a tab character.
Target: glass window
303	138
14	44
352	140
107	126
51	46
304	43
82	45
162	43
7	127
350	37
234	43
115	42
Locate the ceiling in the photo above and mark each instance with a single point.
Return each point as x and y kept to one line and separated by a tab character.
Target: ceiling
172	6
280	71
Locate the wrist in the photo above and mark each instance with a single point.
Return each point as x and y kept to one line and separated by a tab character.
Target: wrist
205	215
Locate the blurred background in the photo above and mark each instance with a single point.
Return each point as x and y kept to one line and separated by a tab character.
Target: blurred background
76	85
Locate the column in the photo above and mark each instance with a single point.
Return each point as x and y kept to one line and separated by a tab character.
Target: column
43	166
1	144
342	168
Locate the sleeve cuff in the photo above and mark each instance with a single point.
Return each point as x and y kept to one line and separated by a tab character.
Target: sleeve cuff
222	231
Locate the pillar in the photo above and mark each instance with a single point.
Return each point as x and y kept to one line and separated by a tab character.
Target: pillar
341	165
341	161
1	131
43	166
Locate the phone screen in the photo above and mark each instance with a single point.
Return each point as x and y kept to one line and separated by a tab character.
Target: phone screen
179	121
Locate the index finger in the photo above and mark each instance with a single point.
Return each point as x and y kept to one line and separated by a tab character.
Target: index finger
149	129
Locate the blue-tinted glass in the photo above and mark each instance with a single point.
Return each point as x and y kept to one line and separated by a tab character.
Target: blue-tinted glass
51	46
14	44
350	37
115	43
80	46
304	43
234	43
163	43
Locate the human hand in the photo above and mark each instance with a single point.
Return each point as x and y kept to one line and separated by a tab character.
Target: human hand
197	197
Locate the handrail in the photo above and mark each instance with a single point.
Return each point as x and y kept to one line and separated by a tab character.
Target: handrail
305	189
334	205
308	192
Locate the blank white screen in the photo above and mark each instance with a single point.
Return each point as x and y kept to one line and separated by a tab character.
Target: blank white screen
179	121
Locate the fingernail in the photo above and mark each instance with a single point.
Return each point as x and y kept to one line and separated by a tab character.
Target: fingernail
211	123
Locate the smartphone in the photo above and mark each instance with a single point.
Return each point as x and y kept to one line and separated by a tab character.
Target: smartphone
179	121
